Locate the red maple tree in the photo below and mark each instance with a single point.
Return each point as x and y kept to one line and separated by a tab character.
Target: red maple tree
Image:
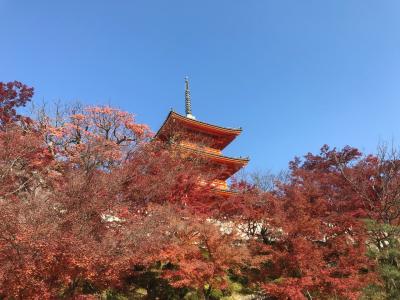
91	204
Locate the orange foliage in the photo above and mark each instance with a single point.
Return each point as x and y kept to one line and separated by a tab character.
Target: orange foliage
92	204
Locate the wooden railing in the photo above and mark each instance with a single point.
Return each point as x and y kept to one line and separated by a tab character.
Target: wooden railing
201	148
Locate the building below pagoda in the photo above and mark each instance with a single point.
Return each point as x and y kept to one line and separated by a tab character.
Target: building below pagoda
205	141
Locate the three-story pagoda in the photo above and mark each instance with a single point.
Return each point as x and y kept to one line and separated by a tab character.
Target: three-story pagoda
205	140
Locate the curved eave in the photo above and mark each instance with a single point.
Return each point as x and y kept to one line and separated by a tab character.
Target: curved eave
228	133
232	164
225	193
210	127
219	158
226	160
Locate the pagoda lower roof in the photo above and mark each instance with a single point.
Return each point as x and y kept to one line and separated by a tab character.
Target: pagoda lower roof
223	135
225	193
234	164
218	157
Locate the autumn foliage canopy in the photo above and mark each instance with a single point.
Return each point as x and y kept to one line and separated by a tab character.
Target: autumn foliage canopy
92	207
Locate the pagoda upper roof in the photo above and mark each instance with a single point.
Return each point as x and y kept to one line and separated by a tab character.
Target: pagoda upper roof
223	135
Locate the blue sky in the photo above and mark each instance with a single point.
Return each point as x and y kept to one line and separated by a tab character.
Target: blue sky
294	74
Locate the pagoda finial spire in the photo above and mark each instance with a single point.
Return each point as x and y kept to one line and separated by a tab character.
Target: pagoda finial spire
188	104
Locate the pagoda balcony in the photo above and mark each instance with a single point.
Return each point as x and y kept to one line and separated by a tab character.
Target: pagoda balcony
197	147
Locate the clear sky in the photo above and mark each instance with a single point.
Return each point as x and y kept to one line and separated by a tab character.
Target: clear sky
294	74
